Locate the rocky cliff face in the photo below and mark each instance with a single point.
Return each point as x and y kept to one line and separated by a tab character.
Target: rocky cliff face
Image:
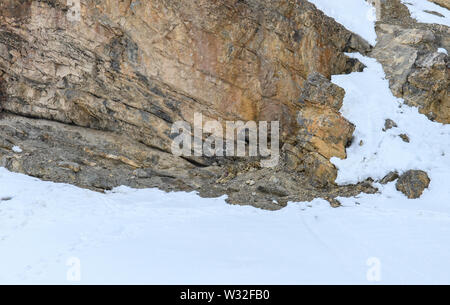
136	67
90	95
91	98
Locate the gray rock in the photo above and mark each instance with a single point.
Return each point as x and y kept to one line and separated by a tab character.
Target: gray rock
389	124
334	203
392	176
413	183
404	137
273	190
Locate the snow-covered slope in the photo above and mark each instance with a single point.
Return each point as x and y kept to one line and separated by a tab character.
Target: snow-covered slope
368	103
425	11
356	15
48	230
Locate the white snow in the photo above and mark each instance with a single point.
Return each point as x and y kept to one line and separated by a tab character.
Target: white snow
419	8
368	103
442	50
357	16
16	149
152	237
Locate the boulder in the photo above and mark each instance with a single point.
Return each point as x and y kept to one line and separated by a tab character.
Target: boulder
324	130
389	124
321	171
413	183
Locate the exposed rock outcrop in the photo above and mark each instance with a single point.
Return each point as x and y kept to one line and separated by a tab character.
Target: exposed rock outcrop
323	132
90	96
408	51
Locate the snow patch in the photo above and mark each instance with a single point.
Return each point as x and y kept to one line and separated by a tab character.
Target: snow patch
357	16
17	149
442	50
368	103
427	12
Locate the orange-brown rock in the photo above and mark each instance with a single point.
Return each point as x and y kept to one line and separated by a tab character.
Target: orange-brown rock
324	130
132	68
320	169
443	3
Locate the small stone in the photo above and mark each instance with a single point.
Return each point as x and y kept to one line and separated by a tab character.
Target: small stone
75	167
334	203
273	190
320	171
250	182
413	183
404	137
431	116
434	13
361	143
389	124
392	176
